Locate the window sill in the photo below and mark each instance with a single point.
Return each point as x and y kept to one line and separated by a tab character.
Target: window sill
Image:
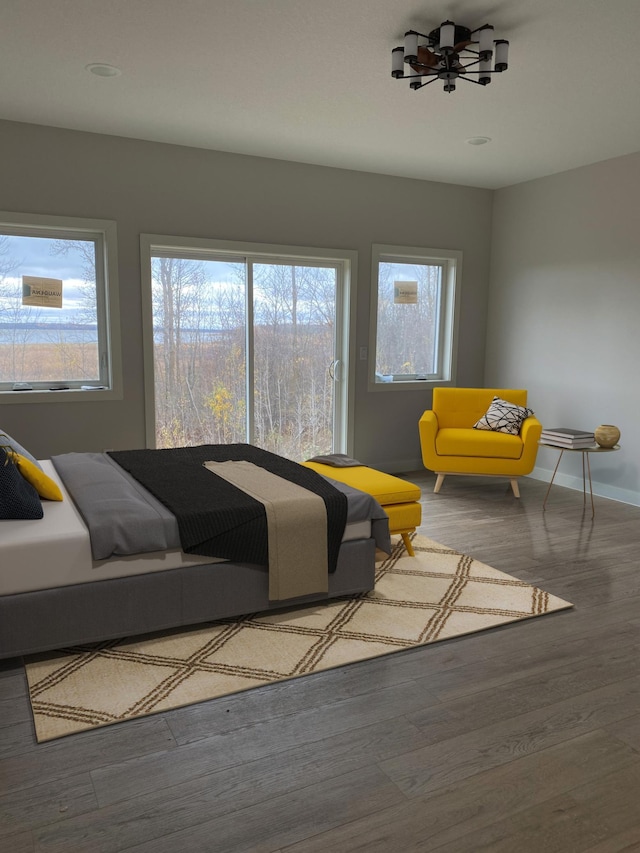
67	395
408	385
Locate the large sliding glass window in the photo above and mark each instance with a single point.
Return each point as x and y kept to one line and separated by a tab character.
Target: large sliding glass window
245	344
199	349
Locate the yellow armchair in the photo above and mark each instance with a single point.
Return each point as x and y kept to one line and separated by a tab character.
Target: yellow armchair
450	445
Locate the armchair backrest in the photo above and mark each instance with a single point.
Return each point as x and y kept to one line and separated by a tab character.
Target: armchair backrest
462	407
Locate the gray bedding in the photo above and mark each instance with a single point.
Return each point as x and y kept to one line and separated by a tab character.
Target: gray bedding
123	518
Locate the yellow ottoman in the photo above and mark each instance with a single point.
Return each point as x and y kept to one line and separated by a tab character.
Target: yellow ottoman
399	498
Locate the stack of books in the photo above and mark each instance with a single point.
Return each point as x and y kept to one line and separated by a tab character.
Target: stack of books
569	438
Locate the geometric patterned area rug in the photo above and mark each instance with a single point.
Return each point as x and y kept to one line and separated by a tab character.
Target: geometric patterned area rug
436	595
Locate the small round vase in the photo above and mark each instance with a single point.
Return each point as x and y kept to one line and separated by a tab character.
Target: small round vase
607	435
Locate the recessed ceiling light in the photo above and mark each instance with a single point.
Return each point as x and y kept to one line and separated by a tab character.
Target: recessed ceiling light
479	140
102	70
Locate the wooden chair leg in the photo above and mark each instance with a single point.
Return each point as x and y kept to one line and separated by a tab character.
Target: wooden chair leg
514	486
439	482
407	544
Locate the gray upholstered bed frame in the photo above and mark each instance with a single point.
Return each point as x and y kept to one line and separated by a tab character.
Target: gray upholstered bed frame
103	610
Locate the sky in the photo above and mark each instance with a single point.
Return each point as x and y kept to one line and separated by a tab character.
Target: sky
34	257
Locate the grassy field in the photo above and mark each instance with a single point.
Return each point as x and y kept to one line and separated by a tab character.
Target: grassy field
48	362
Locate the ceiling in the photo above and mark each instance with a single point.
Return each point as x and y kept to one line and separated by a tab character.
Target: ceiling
310	81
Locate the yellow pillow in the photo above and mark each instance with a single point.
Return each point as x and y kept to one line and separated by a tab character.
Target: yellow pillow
44	485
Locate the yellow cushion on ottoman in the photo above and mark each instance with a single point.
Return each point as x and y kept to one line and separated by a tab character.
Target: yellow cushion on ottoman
398	498
385	488
403	516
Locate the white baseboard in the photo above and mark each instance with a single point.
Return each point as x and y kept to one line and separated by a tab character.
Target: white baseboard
603	490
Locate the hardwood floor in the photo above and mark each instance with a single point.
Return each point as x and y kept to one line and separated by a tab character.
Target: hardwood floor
521	738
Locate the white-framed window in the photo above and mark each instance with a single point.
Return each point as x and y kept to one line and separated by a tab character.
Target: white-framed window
59	329
248	342
414	315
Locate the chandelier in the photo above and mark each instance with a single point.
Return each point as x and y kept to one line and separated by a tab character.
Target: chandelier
449	53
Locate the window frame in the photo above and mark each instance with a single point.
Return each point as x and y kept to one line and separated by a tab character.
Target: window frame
346	262
449	310
104	233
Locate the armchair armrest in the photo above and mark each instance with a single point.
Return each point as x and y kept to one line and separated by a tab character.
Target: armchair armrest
530	432
531	429
428	427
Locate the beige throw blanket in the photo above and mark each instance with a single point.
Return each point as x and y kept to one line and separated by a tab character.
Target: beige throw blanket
296	527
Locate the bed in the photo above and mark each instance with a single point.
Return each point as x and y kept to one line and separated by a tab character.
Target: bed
54	592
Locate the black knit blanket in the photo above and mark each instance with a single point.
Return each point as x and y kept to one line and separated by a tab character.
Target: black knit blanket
215	518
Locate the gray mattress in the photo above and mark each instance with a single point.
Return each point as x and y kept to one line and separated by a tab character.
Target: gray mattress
103	610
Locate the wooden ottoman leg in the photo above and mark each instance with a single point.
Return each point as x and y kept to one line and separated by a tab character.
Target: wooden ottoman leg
407	544
439	482
515	487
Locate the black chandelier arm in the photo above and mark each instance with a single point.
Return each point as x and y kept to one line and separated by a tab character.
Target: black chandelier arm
479	71
422	65
471	80
417	76
422	85
471	64
423	35
489	71
434	75
428	36
477	30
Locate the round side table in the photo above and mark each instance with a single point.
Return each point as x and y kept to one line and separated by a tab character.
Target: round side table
586	452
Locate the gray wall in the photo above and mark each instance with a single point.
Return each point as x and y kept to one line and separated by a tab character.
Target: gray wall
564	311
164	189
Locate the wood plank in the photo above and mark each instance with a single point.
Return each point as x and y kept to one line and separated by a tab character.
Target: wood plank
511	667
21	843
46	804
118	781
66	757
427	768
491	704
628	840
11	711
627	730
228	790
12	684
281	821
17	738
464	808
576	821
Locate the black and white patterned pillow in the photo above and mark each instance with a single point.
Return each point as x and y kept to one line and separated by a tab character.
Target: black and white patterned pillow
18	498
503	416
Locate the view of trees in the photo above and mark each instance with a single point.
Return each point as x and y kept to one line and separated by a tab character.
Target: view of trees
407	336
225	370
200	354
